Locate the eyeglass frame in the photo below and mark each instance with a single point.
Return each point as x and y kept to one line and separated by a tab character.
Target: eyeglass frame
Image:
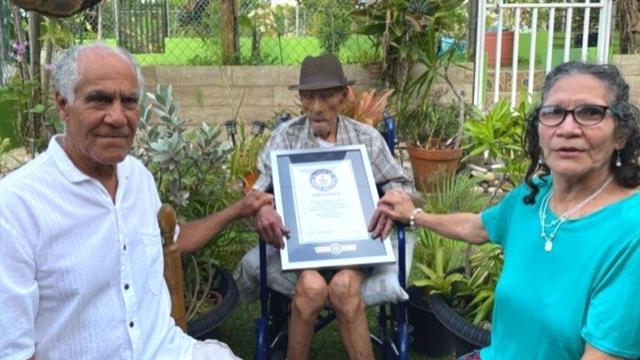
573	114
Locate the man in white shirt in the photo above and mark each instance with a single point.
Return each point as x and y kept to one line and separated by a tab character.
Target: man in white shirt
81	268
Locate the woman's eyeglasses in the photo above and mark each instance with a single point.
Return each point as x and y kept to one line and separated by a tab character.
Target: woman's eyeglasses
584	115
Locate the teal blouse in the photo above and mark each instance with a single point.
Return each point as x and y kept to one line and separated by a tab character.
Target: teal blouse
586	290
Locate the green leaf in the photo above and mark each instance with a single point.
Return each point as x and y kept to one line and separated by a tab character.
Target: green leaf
38	109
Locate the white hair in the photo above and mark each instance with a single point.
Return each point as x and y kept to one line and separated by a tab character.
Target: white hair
65	72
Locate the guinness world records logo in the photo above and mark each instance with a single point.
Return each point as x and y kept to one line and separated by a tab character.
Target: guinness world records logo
323	179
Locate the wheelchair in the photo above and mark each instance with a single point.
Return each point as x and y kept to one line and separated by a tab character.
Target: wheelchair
392	338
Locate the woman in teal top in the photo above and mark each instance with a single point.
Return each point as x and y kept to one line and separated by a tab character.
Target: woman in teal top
570	233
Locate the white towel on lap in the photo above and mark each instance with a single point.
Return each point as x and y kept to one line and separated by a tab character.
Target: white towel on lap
379	287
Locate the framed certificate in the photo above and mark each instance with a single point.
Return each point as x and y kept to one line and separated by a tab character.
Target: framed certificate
326	198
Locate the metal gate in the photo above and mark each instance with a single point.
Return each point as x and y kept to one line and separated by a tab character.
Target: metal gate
142	25
531	19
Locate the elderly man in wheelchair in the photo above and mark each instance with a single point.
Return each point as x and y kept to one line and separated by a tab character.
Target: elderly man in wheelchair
322	89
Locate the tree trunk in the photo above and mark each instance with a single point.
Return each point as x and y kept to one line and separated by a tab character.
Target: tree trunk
230	41
472	10
35	45
629	25
255	43
46	77
2	45
17	20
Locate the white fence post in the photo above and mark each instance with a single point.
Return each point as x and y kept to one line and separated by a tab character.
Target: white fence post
605	8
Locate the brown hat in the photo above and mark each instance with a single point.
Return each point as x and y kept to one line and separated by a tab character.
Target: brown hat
322	72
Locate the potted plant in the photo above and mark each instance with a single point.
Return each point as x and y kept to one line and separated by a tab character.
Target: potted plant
497	136
400	27
431	128
431	132
247	140
434	259
506	48
491	38
433	256
188	167
466	305
371	60
247	145
366	106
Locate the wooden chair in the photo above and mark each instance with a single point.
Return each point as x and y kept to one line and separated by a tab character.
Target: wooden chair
172	265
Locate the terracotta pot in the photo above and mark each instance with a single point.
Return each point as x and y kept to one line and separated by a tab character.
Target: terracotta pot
427	164
248	180
491	44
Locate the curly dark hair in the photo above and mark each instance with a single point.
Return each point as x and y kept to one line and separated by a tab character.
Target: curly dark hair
626	115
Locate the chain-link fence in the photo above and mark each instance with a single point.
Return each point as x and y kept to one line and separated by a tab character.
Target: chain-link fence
189	32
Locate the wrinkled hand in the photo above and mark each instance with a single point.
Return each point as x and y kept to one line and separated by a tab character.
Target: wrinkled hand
270	227
396	205
253	201
381	224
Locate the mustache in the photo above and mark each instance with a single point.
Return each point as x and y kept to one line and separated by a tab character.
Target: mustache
116	134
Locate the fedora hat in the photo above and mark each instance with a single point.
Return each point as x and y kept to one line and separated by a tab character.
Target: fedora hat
321	72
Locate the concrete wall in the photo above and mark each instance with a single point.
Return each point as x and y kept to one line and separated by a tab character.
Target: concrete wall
211	94
629	65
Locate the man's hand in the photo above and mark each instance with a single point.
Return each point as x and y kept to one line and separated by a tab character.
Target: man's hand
270	227
381	224
252	202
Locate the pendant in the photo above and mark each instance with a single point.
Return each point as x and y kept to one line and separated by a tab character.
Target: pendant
548	245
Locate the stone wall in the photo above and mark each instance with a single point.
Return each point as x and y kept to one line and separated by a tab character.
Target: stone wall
211	94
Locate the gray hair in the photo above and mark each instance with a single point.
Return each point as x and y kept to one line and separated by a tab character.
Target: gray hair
625	113
65	71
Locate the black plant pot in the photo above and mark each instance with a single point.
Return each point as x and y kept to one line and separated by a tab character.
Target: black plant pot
430	337
206	326
467	337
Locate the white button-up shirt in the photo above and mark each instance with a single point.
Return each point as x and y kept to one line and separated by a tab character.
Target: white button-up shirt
81	277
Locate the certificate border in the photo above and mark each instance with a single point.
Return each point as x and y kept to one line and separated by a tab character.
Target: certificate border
337	261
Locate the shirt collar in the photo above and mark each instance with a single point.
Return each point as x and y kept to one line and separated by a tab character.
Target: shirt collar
70	171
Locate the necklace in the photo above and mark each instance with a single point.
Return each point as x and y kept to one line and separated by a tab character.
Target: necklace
554	225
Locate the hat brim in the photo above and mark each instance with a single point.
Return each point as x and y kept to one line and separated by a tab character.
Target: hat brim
321	85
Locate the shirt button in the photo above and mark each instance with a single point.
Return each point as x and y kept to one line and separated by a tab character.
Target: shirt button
124	247
126	286
131	324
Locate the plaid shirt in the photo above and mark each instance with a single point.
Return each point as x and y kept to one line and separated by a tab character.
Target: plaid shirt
297	134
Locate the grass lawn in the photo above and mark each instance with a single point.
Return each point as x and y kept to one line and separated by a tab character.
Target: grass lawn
285	51
238	331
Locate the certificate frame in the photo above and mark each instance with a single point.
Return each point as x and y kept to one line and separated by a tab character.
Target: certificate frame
326	198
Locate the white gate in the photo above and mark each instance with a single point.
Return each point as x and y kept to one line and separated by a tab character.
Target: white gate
566	11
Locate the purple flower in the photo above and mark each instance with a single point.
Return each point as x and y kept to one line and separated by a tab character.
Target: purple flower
49	67
18	50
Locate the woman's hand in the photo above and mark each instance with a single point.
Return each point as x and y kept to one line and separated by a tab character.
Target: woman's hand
395	204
